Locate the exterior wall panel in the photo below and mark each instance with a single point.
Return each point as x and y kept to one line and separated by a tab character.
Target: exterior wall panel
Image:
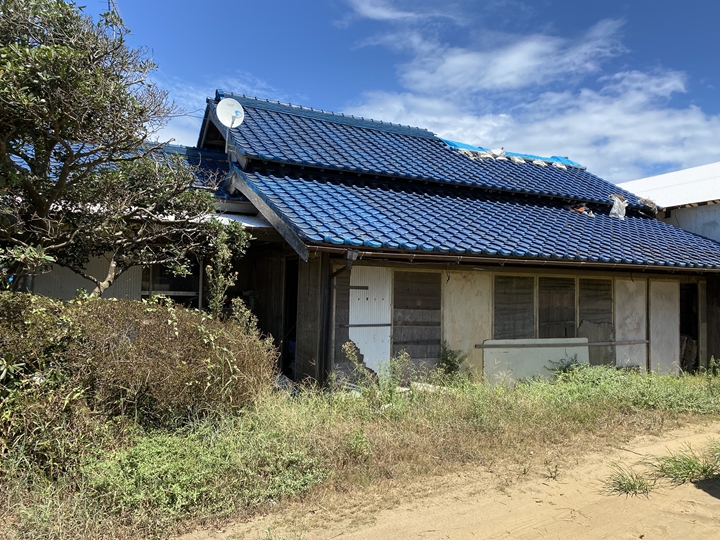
631	321
63	284
665	326
516	359
467	315
702	220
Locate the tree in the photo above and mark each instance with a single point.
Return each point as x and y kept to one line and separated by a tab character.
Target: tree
78	175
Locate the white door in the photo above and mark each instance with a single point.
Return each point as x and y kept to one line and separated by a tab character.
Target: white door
371	313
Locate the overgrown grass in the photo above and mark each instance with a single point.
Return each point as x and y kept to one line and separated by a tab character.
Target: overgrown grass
140	479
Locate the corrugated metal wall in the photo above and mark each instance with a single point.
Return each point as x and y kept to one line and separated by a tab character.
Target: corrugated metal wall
370	304
63	283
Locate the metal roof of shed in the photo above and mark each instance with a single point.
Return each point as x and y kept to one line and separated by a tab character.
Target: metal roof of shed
680	188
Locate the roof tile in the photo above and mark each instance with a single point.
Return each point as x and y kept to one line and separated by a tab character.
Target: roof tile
398	215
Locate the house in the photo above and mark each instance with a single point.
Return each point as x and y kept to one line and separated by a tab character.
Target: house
689	199
395	239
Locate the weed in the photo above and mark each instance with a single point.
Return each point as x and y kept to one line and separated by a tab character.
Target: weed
688	465
197	469
450	360
566	365
626	481
552	471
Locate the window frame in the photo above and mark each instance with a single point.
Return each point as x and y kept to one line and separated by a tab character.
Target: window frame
536	301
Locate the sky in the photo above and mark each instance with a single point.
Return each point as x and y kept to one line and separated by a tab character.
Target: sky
628	89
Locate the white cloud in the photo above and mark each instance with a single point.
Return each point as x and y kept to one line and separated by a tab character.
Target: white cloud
185	128
547	95
620	132
531	60
385	11
380	10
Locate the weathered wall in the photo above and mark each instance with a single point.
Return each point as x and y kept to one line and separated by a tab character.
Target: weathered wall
665	326
702	220
631	321
467	314
308	354
267	284
513	363
63	283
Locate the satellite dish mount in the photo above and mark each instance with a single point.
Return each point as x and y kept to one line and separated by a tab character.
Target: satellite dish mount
231	115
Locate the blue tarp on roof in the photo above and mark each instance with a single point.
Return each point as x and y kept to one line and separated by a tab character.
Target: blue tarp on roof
553	159
337	210
298	136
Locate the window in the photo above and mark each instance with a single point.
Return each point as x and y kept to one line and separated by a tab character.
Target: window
566	307
596	301
185	290
514	307
596	318
417	315
556	307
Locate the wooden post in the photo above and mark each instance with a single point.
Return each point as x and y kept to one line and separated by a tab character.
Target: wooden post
309	355
713	316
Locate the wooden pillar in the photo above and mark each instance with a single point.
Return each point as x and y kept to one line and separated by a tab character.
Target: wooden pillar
312	287
702	324
712	314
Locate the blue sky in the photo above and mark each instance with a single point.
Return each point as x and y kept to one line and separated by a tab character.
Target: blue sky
629	89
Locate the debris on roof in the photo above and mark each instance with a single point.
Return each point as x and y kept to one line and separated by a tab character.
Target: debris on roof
650	204
618	208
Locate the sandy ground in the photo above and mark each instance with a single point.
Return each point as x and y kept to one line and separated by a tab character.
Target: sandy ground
474	505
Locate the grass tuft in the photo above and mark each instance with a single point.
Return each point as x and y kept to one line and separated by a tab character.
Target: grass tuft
689	465
628	482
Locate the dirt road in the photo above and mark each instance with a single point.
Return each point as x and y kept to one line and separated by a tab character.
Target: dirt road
570	506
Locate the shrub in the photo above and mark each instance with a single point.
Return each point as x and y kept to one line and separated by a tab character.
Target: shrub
68	367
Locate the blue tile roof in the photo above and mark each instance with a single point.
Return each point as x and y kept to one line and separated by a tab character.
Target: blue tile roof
397	215
300	136
212	168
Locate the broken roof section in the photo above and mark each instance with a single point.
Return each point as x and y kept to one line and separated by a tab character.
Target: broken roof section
687	187
283	133
537	160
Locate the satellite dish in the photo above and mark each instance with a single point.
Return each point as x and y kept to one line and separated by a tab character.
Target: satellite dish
230	113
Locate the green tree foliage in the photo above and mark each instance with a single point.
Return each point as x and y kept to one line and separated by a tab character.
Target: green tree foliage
78	175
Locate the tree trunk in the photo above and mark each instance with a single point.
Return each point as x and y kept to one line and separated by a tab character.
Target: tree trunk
102	286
